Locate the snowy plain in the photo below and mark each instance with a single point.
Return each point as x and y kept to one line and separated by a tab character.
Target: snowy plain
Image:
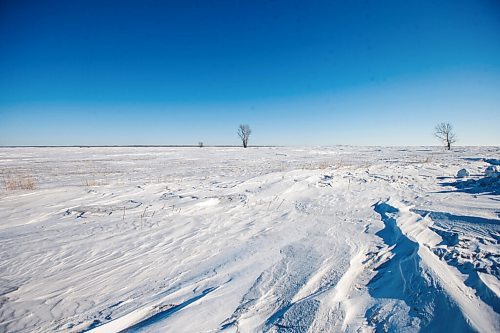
273	239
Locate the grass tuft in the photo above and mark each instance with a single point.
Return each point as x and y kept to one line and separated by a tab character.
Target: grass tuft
19	182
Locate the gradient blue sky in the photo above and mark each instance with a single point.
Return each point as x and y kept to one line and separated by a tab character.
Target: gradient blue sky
299	72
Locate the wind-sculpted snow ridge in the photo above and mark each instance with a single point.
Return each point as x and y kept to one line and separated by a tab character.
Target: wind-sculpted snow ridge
428	287
323	239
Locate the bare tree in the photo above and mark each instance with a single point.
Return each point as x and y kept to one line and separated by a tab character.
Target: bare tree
200	144
244	132
444	132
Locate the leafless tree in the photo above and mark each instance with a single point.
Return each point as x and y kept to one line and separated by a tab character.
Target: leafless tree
444	132
200	144
244	132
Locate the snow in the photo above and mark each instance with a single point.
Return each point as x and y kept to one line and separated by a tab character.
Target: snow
462	173
491	171
303	239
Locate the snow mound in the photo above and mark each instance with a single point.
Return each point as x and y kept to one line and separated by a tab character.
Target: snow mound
492	161
491	171
462	173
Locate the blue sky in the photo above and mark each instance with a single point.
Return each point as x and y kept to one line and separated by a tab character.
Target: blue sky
299	72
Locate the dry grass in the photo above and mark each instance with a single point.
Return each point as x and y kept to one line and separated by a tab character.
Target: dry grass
93	181
89	182
327	164
19	182
316	165
428	160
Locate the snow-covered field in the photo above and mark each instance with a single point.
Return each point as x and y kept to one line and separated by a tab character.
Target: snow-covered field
250	240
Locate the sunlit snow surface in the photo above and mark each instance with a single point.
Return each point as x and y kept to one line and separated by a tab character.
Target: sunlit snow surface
250	240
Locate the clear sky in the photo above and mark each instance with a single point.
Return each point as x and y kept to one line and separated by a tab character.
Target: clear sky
298	72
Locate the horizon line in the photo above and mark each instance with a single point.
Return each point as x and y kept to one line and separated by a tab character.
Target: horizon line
228	146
